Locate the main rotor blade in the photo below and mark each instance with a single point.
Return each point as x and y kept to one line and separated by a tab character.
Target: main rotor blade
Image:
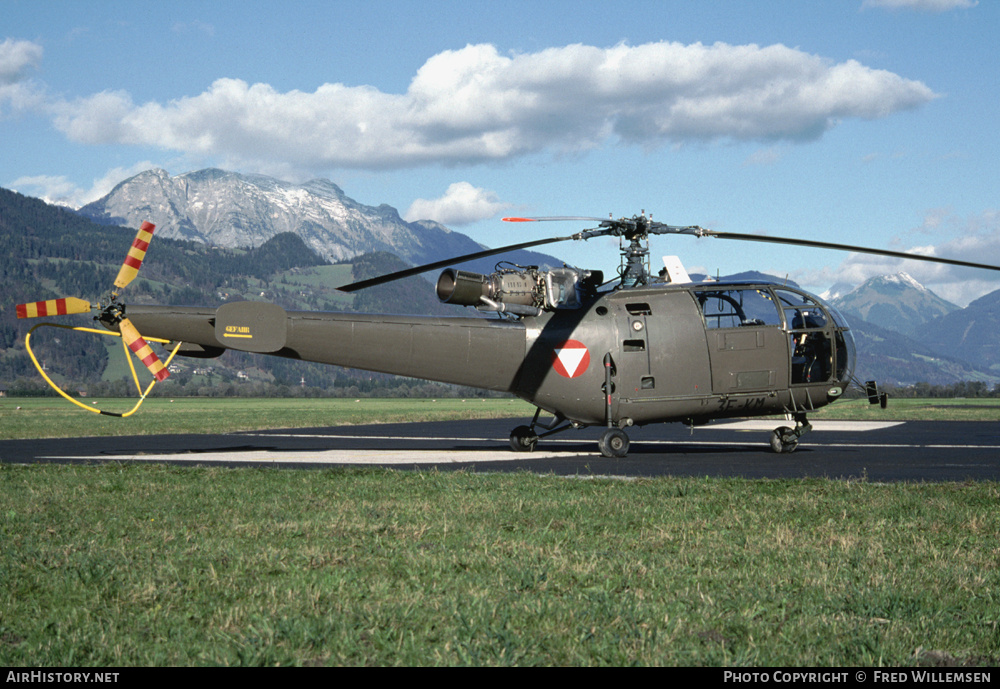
137	252
417	270
555	218
53	307
842	247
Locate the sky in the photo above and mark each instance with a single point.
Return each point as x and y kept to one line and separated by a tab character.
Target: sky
864	122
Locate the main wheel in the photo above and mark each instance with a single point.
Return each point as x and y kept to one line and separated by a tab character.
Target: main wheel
613	443
523	439
783	440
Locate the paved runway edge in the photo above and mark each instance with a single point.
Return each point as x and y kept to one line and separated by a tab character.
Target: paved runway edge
875	451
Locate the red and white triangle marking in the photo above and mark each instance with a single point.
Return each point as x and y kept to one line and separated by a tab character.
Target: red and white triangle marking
571	359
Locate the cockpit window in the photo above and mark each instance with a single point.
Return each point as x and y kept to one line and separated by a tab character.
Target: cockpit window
801	311
737	307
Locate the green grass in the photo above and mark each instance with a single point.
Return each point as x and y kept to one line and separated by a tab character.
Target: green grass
53	417
151	565
902	409
325	277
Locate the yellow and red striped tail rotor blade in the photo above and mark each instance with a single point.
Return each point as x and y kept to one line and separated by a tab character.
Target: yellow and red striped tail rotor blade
130	268
53	307
142	350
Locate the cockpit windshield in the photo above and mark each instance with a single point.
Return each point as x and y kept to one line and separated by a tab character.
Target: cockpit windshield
822	349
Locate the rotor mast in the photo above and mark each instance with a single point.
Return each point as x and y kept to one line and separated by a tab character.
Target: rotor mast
633	234
634	269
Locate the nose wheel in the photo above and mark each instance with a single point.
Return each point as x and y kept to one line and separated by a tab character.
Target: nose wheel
785	439
613	443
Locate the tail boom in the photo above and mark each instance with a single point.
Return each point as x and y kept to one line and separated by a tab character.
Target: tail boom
464	351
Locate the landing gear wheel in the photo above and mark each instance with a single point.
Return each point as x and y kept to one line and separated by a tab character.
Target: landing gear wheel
613	443
784	440
523	439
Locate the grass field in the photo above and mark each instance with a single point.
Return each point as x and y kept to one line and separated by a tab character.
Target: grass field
148	565
52	417
125	565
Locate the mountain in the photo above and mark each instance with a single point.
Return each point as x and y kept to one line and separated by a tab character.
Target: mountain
894	302
235	210
892	318
894	359
970	333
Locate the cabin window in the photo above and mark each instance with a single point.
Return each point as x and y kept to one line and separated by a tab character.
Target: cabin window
737	308
634	345
639	309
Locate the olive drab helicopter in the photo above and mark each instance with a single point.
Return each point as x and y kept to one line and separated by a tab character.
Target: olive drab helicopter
642	348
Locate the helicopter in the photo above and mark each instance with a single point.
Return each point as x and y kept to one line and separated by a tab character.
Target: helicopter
639	349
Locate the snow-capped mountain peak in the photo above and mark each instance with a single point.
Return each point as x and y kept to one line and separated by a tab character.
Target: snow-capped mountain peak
232	210
900	279
896	302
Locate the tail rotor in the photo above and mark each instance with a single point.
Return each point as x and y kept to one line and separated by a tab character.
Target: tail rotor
111	315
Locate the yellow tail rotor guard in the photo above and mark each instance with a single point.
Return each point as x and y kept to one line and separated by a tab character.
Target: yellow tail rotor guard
143	393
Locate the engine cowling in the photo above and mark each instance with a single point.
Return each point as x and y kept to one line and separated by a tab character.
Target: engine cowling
468	289
526	291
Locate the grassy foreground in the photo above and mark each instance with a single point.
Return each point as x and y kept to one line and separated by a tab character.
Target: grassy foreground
152	565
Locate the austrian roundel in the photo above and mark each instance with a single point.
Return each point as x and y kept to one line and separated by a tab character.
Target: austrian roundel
570	359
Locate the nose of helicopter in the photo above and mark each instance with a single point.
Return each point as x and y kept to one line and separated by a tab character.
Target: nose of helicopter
847	355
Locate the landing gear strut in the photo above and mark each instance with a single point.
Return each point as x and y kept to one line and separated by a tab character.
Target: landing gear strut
525	438
785	439
613	443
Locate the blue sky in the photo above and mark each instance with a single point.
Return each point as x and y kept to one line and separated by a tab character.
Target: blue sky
870	122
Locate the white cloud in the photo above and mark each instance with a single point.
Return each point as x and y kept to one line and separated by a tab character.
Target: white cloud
461	204
17	60
922	5
53	189
476	105
59	190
